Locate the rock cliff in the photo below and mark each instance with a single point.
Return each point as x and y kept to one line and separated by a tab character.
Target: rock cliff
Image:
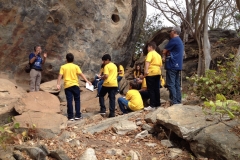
88	29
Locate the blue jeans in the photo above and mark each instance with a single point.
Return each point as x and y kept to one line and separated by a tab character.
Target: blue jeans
119	78
73	92
95	82
173	85
111	95
123	105
100	86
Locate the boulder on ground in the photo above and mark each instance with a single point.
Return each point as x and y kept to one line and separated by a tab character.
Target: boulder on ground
218	141
40	102
50	87
43	121
10	96
184	120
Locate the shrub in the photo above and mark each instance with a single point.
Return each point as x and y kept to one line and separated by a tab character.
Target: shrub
225	80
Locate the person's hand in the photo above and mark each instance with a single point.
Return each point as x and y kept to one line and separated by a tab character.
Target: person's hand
45	55
145	73
163	59
89	83
58	86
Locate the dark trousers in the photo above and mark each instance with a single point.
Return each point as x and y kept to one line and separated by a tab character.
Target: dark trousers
111	95
153	83
73	92
144	95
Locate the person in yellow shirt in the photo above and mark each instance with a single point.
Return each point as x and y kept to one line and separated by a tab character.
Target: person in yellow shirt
137	71
132	101
120	74
109	86
70	73
153	64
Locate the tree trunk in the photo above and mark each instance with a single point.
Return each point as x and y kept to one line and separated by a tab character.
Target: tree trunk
206	42
200	69
238	4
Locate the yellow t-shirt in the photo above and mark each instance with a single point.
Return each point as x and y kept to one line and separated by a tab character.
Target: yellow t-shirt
70	74
155	61
135	100
121	69
136	74
110	69
162	81
144	84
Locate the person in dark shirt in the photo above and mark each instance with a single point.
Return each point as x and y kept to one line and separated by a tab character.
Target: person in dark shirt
36	62
173	56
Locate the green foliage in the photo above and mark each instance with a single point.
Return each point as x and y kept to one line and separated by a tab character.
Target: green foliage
9	135
151	25
225	80
223	106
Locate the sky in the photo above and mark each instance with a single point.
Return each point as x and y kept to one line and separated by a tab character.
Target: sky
151	10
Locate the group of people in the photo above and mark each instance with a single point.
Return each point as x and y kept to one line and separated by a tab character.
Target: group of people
111	74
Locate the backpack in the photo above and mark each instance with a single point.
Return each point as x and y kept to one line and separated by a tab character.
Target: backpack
28	68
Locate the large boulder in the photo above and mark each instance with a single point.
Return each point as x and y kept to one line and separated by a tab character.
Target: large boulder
10	96
88	29
217	142
40	102
184	120
49	122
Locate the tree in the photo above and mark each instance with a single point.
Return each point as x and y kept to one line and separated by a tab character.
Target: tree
150	26
222	14
192	17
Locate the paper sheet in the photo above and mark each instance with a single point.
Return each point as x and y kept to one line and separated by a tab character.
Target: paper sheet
89	87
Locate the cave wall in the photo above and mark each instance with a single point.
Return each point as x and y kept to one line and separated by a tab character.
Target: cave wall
88	29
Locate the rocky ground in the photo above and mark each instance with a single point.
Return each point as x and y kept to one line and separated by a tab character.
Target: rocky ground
175	132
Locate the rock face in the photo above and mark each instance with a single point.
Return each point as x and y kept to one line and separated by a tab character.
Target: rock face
88	29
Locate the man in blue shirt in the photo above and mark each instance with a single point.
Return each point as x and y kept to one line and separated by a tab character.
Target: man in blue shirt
173	54
36	62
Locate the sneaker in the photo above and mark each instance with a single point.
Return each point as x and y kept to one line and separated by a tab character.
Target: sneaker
71	119
149	108
78	118
111	115
102	112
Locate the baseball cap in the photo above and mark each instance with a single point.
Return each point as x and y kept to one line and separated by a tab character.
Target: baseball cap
177	29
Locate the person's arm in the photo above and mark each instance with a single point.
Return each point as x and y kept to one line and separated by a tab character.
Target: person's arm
105	76
146	68
83	76
134	73
59	81
44	58
32	60
128	96
143	89
165	54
